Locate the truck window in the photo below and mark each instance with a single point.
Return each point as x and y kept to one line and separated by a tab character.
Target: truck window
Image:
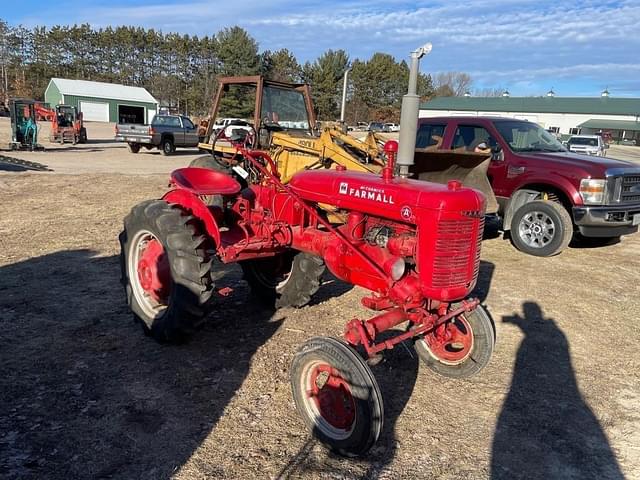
430	135
470	138
523	136
187	123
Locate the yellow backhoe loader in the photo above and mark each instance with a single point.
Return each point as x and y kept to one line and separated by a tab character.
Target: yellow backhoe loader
279	118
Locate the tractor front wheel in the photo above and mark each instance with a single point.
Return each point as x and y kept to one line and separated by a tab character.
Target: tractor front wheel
165	270
461	347
337	396
285	280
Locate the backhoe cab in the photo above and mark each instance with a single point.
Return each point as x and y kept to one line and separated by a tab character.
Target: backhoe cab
279	117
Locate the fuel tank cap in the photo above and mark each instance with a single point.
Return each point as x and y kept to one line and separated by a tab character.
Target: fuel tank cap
454	185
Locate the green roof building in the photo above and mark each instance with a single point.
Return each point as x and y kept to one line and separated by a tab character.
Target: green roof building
563	115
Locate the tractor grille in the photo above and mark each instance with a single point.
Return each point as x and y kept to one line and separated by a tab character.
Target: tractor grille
630	191
457	252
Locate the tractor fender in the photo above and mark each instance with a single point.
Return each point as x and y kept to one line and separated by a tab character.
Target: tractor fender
198	209
518	199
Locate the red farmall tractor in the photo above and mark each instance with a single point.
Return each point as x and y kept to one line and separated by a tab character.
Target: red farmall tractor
414	245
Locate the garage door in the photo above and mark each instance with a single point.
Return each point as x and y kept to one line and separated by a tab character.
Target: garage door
95	112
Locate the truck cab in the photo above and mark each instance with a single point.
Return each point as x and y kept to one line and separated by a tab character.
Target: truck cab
544	193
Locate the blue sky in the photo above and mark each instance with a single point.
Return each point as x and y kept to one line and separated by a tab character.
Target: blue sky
526	46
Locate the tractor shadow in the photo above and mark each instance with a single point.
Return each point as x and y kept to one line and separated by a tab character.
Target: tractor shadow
330	287
546	429
86	395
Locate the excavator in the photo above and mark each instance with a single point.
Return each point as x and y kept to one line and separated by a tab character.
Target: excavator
24	126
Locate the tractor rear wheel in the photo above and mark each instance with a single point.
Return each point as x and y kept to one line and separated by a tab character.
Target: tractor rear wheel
285	280
83	135
165	270
337	396
461	347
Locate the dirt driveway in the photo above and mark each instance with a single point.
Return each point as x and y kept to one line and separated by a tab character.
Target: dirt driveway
84	394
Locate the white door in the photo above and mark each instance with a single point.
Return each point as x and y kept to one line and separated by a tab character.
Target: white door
95	112
150	115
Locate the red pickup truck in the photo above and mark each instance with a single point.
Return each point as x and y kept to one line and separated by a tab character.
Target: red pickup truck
544	194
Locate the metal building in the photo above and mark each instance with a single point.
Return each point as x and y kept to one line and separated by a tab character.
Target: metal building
563	115
103	102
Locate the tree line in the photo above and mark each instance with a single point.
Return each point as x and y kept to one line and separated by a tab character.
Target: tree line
180	70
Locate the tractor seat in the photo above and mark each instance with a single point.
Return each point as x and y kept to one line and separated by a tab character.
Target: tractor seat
203	181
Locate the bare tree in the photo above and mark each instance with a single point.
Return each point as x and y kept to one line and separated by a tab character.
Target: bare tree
488	92
452	84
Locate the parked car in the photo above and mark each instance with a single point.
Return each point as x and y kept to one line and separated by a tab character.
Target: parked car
166	132
542	192
588	145
391	127
225	122
376	127
628	142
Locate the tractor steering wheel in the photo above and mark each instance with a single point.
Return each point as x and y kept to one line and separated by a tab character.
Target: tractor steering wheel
248	142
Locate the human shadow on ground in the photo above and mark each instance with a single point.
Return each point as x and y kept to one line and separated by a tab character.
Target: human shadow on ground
84	394
396	375
546	429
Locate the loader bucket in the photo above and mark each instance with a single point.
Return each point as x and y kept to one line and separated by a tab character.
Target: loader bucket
440	166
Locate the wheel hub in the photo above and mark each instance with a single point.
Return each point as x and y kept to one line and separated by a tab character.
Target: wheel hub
451	342
153	271
537	229
332	396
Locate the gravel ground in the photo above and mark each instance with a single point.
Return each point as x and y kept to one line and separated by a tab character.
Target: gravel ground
84	394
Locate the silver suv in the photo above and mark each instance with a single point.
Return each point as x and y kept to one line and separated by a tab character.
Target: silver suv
588	144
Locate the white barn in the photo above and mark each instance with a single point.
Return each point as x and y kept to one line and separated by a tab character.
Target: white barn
563	115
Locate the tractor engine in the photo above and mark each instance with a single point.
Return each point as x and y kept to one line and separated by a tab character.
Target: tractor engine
423	239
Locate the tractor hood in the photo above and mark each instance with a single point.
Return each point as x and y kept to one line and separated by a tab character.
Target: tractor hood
398	198
593	166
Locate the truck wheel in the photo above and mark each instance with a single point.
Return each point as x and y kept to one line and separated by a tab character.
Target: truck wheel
167	146
134	147
541	228
337	396
285	280
459	348
165	270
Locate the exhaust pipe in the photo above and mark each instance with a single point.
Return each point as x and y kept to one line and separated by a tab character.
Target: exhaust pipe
409	113
343	106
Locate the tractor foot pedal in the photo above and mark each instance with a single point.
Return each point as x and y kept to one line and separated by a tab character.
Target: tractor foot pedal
374	360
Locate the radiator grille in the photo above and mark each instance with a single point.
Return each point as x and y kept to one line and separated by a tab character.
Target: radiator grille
457	252
629	192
